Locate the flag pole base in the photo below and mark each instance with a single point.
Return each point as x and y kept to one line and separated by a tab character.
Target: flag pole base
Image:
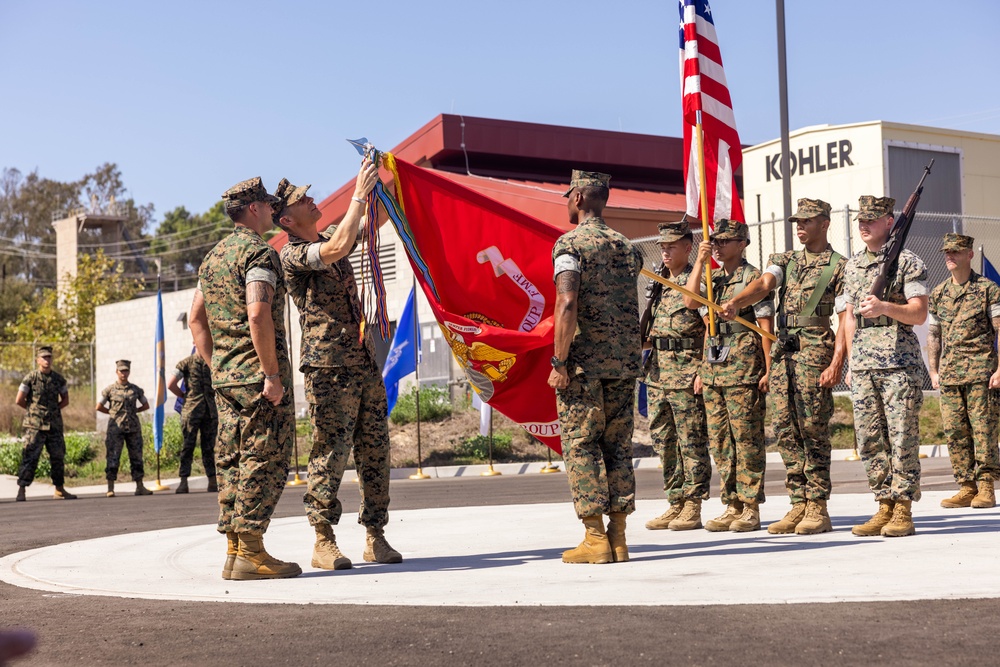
490	473
550	469
296	481
853	456
158	487
420	474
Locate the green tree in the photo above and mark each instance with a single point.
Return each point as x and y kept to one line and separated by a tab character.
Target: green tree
183	239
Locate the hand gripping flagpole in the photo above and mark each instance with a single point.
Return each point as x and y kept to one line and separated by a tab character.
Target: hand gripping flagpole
420	474
713	350
296	481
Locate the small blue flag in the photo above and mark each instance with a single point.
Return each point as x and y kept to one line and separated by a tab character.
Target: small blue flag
643	398
989	271
402	359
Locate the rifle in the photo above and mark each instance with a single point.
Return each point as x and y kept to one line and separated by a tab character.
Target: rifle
653	292
894	245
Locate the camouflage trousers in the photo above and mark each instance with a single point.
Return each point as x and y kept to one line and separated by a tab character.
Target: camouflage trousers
677	428
113	442
887	427
206	424
251	456
34	441
349	412
596	419
735	418
970	414
801	411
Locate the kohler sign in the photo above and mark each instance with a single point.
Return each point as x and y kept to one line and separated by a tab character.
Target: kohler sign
812	160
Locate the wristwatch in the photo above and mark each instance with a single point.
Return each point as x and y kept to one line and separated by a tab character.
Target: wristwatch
557	362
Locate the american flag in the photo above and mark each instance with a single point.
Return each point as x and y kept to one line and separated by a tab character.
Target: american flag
704	88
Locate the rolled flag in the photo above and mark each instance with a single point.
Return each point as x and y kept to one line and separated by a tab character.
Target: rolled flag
402	358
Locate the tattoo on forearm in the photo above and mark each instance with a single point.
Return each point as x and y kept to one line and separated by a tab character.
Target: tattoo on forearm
259	291
996	324
567	281
934	346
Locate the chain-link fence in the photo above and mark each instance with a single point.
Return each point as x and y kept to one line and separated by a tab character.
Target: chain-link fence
924	240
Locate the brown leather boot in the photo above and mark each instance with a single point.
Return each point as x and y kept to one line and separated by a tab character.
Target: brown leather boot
253	562
183	486
213	485
21	497
111	489
901	523
662	522
377	549
816	519
749	520
790	521
141	490
987	496
595	547
326	554
690	517
878	521
966	492
616	537
232	548
725	520
62	494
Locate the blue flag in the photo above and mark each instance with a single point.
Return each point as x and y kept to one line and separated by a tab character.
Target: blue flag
989	271
402	359
160	394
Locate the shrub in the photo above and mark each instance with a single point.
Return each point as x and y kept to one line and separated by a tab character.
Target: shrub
435	405
80	450
477	447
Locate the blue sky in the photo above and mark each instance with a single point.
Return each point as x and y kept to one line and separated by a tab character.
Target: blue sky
190	97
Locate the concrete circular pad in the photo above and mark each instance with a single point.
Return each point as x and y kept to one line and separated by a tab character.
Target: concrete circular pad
510	555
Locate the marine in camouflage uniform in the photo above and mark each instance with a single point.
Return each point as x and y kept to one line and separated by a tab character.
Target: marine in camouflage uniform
886	369
198	416
347	399
734	387
806	363
239	277
964	318
123	401
676	412
595	365
43	393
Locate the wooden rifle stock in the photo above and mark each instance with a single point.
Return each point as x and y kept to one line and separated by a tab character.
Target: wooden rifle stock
897	238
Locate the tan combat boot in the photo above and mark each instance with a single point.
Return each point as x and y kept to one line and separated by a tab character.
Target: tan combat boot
253	562
595	547
616	537
326	553
141	490
183	486
232	548
966	492
377	549
878	521
213	485
690	517
725	520
790	521
63	494
816	520
987	496
662	522
901	523
749	520
111	489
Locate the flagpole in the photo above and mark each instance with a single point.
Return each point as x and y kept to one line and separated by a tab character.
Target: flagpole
416	357
703	196
295	481
490	472
549	468
159	485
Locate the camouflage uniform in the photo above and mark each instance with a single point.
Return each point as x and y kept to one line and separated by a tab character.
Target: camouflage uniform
676	413
43	426
123	428
969	408
347	401
886	368
734	404
255	437
596	409
198	415
801	409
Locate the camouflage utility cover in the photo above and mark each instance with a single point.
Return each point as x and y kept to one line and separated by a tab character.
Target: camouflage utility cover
606	343
223	279
122	400
674	231
730	229
810	208
965	313
956	242
43	391
873	208
288	194
675	369
247	192
583	179
329	307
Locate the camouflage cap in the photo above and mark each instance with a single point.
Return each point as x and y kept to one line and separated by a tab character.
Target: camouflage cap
45	351
873	208
956	242
730	229
674	231
247	192
123	365
288	194
810	208
582	179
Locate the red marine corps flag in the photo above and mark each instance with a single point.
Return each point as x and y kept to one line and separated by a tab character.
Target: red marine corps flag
708	107
486	270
